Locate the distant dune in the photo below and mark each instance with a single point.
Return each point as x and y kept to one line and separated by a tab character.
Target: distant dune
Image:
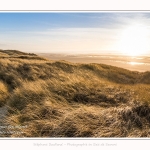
140	63
47	98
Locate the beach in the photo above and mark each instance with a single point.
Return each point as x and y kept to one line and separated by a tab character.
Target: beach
137	63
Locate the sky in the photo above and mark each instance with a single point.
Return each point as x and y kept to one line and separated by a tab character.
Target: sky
75	32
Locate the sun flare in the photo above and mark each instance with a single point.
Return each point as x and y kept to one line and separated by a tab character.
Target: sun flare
134	40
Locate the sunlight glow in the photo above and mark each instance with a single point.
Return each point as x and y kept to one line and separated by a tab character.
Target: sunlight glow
135	63
134	40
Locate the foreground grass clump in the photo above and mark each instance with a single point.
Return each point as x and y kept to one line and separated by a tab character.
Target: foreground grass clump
60	99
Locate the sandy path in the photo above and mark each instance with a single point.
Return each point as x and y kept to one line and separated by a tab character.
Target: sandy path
3	112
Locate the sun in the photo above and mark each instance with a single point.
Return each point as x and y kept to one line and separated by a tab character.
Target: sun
134	40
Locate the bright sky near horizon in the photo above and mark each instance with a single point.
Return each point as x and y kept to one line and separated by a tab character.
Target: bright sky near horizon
76	32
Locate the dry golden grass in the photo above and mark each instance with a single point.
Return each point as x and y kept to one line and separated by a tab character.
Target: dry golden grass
3	93
62	99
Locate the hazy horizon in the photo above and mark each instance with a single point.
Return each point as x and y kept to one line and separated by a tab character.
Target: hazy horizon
125	33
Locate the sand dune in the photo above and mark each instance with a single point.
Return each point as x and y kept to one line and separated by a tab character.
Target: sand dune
44	98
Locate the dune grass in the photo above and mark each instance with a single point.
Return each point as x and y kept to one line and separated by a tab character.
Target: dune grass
61	99
3	93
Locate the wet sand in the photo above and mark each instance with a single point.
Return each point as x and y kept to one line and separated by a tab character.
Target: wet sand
140	63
